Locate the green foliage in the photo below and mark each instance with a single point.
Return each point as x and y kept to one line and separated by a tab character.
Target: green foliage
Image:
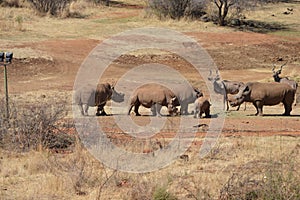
161	193
19	20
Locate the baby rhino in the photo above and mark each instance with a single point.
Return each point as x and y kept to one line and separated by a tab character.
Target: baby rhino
202	105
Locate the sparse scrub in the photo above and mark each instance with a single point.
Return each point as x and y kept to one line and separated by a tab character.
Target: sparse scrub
79	168
176	9
35	126
265	180
141	190
52	7
11	3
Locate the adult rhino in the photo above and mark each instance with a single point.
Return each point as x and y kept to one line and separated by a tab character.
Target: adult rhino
186	95
153	96
268	94
90	96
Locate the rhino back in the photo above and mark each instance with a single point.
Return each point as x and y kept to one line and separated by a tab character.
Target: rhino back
153	93
185	94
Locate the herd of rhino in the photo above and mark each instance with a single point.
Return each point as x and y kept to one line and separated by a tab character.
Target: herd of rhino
154	96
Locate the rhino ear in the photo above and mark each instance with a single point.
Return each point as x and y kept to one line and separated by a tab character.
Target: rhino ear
246	91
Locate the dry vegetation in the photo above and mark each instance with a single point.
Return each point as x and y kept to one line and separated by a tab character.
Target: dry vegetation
41	156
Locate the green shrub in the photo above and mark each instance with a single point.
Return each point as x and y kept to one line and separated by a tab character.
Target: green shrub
161	193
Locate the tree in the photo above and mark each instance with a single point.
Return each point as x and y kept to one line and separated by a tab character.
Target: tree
223	8
225	5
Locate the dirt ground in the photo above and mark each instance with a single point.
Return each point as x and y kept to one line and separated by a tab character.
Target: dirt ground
241	56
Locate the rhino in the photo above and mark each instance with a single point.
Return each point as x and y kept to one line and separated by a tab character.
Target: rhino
88	95
186	95
202	105
268	94
153	96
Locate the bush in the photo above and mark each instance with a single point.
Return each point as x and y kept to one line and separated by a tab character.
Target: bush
176	9
52	7
33	127
11	3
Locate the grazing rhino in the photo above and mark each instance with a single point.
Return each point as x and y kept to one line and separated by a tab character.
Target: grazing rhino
202	105
268	94
186	95
90	96
153	96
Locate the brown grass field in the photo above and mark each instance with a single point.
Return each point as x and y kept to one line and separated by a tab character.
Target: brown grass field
252	152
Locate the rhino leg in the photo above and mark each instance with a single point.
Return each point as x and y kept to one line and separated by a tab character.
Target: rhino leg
136	109
207	113
288	102
158	108
81	109
287	109
130	108
184	109
259	108
200	113
153	110
85	108
195	113
100	110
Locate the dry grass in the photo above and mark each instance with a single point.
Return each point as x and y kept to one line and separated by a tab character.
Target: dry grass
97	23
77	175
273	13
101	22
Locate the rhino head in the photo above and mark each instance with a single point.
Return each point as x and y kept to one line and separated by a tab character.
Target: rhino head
117	96
173	102
240	97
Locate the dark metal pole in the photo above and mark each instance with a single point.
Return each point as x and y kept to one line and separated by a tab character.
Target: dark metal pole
6	91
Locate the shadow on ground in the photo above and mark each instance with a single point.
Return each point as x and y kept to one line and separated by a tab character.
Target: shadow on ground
257	26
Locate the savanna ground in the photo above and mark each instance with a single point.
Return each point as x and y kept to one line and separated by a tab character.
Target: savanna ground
48	53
